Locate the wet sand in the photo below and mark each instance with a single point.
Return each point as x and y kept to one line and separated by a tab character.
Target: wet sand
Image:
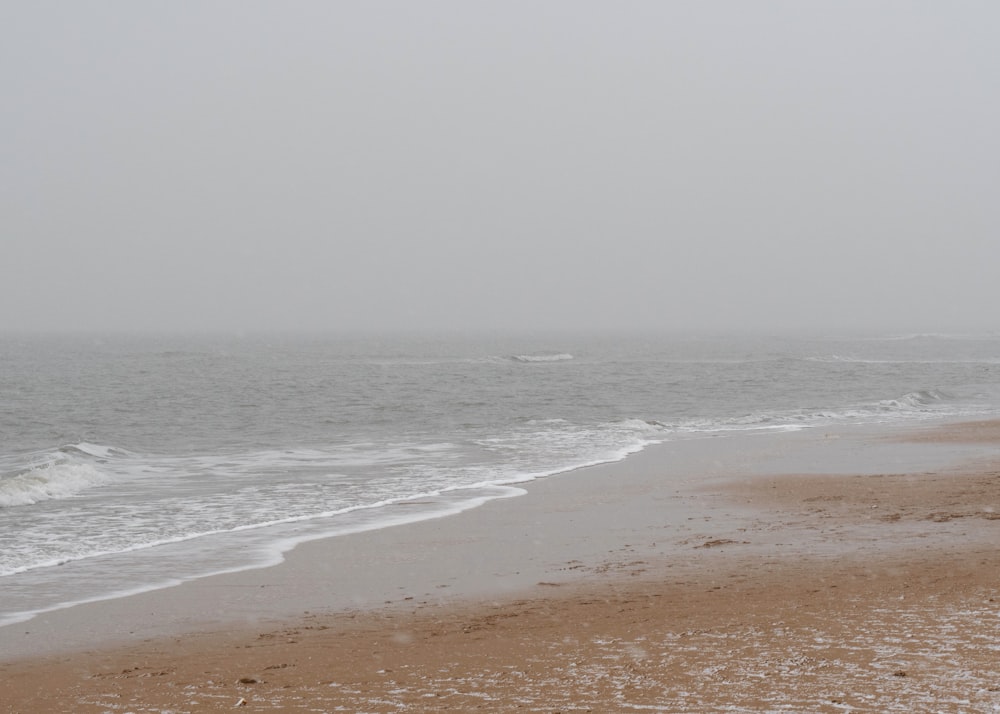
843	571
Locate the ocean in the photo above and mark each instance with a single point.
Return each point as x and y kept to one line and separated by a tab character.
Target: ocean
129	463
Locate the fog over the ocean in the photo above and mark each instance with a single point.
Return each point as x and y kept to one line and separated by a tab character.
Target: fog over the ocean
452	165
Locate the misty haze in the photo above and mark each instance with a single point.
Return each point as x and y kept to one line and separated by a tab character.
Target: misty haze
450	165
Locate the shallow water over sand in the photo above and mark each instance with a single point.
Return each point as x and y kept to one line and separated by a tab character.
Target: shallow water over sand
137	462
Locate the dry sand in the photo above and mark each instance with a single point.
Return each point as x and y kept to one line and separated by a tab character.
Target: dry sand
724	588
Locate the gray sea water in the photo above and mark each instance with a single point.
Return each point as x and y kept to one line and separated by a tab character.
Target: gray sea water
134	462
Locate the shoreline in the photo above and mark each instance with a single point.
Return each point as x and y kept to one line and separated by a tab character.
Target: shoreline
443	505
688	517
695	464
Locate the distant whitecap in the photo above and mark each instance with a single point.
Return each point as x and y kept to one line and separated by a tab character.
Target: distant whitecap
558	357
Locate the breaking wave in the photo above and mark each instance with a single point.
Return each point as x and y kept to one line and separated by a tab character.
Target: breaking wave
922	404
49	481
560	357
916	400
95	450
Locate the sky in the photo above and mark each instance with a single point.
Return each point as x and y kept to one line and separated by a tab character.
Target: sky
659	165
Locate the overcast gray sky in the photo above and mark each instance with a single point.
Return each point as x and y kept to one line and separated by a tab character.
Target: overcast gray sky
672	165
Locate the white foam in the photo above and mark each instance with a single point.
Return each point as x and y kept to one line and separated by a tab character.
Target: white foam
51	481
262	556
96	450
915	400
560	357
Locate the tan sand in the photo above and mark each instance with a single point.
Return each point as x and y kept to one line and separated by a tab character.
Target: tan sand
709	591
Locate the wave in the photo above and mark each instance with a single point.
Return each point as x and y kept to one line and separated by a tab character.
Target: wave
559	357
59	473
48	482
840	359
921	404
261	554
95	450
928	336
919	400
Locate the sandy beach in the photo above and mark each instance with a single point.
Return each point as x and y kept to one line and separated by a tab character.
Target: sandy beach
847	570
